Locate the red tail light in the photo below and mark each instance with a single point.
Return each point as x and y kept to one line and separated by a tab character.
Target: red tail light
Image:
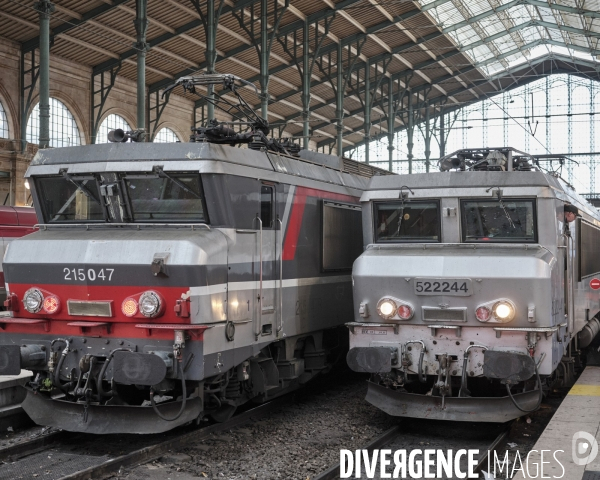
404	312
483	314
129	307
51	304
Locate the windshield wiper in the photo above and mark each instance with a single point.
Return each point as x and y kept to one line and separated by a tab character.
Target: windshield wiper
179	183
499	195
81	186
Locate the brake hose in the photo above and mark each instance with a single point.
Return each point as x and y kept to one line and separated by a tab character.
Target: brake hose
183	402
422	378
63	355
539	381
101	391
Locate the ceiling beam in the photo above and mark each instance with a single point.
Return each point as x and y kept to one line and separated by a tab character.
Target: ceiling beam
284	30
75	22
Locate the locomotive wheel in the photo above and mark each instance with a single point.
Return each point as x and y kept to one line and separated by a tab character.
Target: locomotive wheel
223	414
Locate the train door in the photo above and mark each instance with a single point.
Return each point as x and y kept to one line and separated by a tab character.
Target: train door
268	269
254	260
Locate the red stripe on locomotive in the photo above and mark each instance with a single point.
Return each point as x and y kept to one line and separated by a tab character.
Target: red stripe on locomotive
297	213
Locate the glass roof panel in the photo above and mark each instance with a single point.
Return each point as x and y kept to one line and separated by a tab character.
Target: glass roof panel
471	23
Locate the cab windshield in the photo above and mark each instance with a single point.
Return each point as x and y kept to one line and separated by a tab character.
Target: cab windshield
70	199
407	221
169	196
162	197
506	220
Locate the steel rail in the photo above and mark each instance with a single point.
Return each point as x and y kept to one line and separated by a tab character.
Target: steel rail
333	472
41	442
149	453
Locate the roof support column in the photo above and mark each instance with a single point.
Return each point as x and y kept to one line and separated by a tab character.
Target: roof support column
211	54
391	117
265	52
410	130
339	101
442	134
368	107
306	73
45	8
246	16
427	136
141	25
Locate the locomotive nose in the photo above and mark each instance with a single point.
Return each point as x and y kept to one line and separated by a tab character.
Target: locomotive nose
457	285
108	276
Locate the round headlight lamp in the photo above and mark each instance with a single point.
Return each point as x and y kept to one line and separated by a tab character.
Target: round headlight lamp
503	310
386	308
150	304
33	300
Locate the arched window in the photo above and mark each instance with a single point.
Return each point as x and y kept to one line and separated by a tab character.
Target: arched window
63	128
110	123
166	135
3	122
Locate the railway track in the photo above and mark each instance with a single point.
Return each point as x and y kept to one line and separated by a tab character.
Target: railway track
387	439
65	456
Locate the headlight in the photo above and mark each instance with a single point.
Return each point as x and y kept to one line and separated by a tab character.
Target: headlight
386	308
150	304
32	300
504	310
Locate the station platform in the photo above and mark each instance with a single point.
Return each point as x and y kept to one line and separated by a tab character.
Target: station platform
574	429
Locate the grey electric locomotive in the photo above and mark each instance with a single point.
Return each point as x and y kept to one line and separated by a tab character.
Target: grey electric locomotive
475	293
172	281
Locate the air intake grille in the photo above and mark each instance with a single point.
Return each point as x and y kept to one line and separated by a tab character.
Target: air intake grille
90	309
445	314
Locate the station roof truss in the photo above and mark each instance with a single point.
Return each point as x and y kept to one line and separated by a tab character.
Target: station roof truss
399	58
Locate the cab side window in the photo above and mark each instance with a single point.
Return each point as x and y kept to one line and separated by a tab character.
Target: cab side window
266	205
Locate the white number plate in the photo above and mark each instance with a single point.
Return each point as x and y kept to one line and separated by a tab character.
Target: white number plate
88	274
443	286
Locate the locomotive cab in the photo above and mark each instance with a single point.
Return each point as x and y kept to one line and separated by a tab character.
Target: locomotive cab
471	289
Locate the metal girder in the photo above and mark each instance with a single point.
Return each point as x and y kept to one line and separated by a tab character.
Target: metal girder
286	29
29	78
141	25
369	88
97	109
64	27
310	52
504	75
313	18
45	9
210	22
514	3
104	66
326	66
263	41
155	112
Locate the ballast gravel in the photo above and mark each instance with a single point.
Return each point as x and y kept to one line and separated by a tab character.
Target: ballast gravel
297	441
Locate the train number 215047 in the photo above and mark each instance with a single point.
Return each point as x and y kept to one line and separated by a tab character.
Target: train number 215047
91	274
